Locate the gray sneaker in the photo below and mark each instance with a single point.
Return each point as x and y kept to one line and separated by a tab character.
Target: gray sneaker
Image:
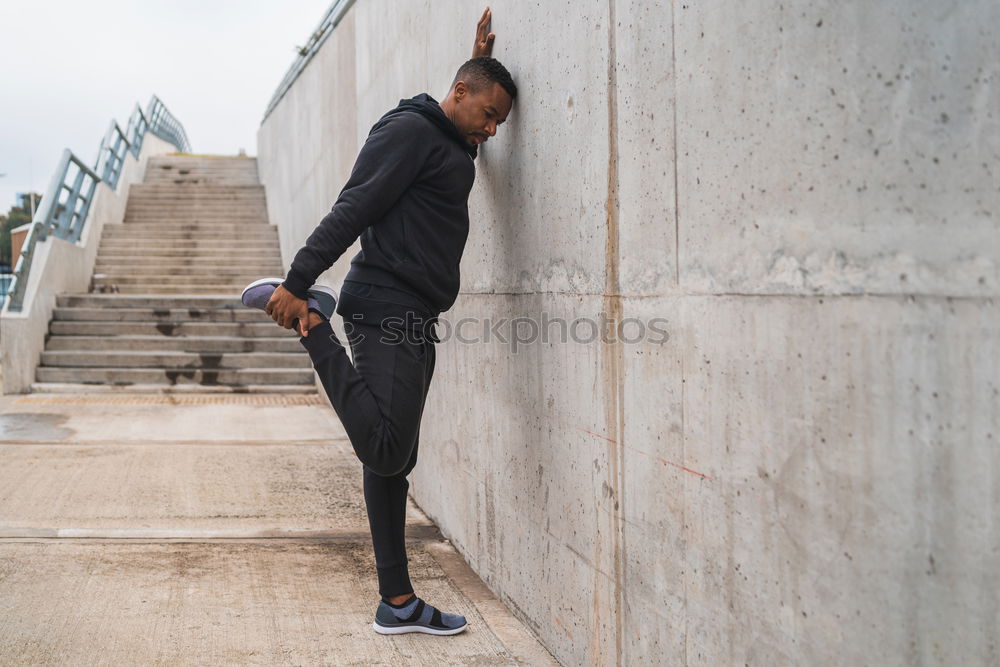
321	299
416	616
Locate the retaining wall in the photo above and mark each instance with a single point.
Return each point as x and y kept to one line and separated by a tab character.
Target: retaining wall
806	471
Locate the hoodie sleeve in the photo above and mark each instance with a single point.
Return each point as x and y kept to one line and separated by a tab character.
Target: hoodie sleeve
389	162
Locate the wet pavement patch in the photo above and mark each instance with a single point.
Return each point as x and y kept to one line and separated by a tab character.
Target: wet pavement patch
33	426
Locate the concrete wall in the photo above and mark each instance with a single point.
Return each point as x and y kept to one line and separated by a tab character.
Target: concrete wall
61	267
806	472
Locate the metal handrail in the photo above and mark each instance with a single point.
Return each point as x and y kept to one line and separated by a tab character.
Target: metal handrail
137	128
165	126
66	202
325	28
111	155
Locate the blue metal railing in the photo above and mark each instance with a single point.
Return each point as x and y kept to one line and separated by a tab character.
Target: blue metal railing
165	126
113	149
138	125
66	202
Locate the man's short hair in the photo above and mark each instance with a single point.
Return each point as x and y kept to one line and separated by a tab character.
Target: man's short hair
480	72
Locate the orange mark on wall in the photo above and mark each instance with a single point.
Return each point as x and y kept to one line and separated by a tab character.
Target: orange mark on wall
652	456
564	629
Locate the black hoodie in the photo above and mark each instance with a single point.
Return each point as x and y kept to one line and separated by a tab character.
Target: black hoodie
407	198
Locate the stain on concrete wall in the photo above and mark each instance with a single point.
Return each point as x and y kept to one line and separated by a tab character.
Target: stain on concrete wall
802	470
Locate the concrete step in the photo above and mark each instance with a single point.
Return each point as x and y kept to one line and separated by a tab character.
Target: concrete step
227	239
228	267
167	193
207	191
121	301
145	388
152	289
171	329
139	247
166	167
240	255
181	280
150	243
233	260
183	158
167	217
180	265
159	171
125	251
204	290
267	264
171	206
229	377
168	251
173	194
218	344
174	359
202	270
197	197
201	266
202	163
195	274
182	191
199	276
194	176
236	255
168	209
182	226
172	210
185	261
199	180
188	249
247	233
83	314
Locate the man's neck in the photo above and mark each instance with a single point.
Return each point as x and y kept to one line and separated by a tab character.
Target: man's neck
448	107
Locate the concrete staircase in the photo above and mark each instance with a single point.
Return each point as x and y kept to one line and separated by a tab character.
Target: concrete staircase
168	316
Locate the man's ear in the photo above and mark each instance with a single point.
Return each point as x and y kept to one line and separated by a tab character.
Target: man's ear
461	90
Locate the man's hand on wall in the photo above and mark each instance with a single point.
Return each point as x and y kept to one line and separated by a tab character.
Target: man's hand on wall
483	45
285	308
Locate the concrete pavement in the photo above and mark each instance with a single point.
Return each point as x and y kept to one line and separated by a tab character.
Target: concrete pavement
210	529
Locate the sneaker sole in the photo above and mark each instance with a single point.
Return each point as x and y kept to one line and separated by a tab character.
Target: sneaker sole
258	283
403	629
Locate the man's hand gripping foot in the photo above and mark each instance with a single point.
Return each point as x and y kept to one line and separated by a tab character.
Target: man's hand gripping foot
289	311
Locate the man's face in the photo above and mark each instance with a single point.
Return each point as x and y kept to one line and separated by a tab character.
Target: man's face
477	115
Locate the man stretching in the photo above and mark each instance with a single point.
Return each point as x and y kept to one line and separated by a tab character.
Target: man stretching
407	198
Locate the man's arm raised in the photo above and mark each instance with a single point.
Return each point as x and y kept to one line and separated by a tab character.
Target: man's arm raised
483	46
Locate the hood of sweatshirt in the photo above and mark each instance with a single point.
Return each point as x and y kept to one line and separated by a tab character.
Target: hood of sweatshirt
428	107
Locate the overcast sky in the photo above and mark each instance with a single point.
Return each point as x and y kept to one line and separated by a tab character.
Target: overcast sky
68	68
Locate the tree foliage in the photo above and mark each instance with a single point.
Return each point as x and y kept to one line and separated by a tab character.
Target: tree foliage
19	214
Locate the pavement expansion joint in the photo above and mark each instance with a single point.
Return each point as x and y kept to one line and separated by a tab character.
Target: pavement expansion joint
414	533
174	399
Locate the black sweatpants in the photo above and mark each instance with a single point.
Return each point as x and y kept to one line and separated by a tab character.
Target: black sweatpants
380	400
